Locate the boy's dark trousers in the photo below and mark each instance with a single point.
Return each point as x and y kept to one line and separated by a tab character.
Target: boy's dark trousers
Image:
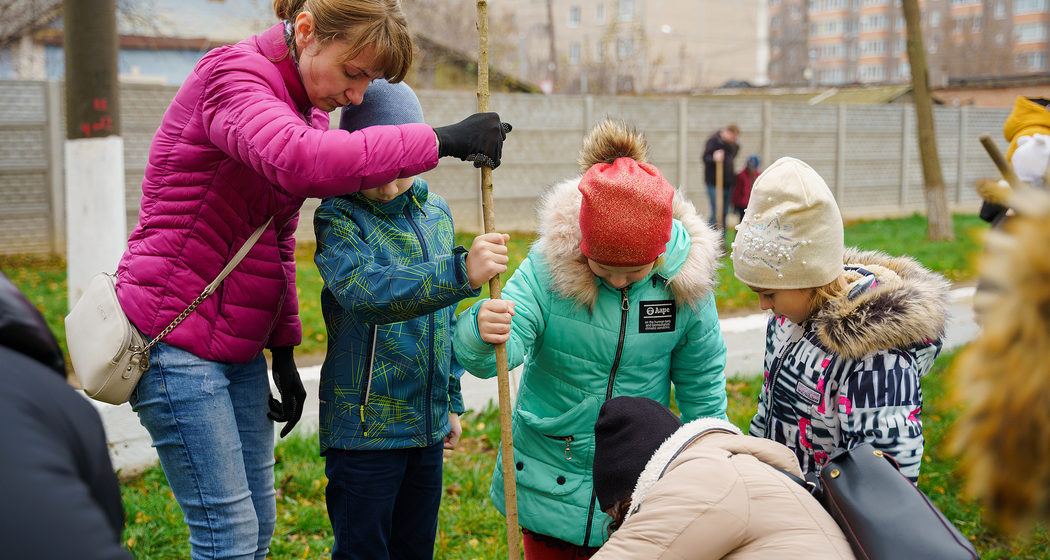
383	504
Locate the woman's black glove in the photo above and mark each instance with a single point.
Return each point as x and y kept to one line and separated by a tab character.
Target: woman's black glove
290	385
477	138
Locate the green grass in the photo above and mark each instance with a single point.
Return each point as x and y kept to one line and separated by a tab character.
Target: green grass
940	483
956	260
43	281
470	527
43	278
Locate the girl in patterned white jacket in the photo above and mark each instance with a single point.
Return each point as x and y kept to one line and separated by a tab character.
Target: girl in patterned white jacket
853	332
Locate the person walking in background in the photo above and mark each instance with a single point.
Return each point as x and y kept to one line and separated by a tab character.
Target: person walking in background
390	393
702	491
742	189
720	147
59	498
246	140
616	297
852	333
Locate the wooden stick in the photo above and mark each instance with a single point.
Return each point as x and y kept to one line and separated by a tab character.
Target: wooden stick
719	202
1000	162
510	494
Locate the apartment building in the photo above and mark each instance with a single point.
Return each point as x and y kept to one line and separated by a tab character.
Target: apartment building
640	46
864	41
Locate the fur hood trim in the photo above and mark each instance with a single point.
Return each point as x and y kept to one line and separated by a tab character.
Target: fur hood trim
708	437
669	450
909	305
995	191
559	243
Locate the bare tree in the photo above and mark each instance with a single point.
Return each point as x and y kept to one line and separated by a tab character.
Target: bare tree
142	16
938	214
451	23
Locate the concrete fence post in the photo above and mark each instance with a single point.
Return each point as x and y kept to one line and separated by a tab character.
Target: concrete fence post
588	113
905	142
767	132
960	170
53	101
683	145
840	155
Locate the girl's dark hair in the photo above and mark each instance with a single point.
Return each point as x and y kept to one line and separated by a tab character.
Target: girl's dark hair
618	513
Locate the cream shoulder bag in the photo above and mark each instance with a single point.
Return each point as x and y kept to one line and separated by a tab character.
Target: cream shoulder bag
108	353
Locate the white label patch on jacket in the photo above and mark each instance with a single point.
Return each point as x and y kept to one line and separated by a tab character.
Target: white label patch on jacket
656	316
807	393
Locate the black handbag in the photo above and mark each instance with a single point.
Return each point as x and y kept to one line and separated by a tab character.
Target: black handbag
882	514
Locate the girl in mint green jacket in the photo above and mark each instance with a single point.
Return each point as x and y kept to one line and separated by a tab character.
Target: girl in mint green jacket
615	298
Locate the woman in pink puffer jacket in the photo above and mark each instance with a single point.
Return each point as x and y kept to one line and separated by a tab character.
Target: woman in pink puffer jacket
247	138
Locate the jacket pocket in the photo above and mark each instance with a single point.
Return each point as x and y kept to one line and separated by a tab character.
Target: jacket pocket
534	475
554	454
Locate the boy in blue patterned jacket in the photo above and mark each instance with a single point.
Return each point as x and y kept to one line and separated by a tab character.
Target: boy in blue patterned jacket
390	392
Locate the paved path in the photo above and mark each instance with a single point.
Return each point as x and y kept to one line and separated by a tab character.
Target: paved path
745	339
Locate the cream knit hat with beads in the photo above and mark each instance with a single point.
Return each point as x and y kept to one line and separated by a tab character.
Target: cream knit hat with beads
791	234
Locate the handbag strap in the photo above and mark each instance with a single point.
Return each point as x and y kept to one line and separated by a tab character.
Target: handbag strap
210	288
810	487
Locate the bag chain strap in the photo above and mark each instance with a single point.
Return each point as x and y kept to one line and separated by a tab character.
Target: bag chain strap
143	354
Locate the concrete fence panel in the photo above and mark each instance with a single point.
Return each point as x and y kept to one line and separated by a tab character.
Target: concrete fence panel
867	154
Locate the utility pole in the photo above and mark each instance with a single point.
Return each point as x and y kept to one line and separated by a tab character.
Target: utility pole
96	217
938	214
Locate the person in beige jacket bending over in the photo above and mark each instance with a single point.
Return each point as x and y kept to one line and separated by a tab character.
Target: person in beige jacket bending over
701	491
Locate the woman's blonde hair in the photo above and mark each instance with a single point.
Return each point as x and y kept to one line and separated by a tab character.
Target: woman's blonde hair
379	23
829	291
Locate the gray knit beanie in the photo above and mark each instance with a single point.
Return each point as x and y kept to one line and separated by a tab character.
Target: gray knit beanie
384	103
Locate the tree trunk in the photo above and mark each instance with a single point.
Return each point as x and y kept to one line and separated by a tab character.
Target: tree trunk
938	214
90	46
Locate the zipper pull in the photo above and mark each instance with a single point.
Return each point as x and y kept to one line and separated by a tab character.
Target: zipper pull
568	448
418	205
624	304
364	427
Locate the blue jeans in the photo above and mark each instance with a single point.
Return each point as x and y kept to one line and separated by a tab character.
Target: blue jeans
208	422
711	195
383	504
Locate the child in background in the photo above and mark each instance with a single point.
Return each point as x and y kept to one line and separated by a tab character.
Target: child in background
745	180
615	298
853	331
390	398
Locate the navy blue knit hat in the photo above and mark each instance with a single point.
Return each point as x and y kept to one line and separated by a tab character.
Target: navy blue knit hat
384	103
629	430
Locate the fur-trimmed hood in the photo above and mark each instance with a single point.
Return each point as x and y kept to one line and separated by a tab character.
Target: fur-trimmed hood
905	304
710	434
689	265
